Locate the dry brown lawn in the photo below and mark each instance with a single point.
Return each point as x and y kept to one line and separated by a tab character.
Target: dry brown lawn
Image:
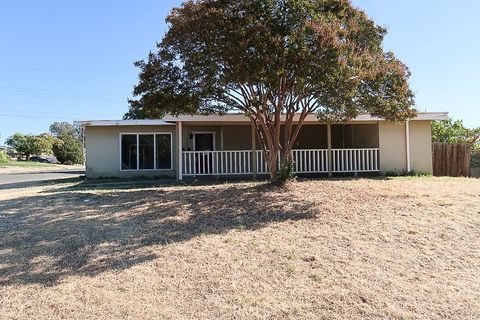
404	248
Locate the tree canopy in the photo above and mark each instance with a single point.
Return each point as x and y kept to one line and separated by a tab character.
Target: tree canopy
59	129
28	145
454	131
274	60
69	147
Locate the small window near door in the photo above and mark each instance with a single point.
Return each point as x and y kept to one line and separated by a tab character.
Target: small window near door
129	152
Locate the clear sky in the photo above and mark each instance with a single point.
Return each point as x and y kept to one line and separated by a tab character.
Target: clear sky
72	60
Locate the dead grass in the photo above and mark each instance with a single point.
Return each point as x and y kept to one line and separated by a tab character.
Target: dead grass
344	249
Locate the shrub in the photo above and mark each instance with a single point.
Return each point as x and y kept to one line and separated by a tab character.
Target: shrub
4	158
475	159
67	149
286	171
405	173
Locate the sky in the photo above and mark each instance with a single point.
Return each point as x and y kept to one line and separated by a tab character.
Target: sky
73	60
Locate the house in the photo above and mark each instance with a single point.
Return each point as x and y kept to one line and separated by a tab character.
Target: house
194	146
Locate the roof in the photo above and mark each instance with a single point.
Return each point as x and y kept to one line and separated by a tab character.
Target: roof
237	117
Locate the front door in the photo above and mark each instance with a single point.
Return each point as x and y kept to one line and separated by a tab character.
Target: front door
204	142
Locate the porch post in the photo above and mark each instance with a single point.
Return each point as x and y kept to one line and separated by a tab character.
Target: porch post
254	151
221	138
329	142
180	151
407	145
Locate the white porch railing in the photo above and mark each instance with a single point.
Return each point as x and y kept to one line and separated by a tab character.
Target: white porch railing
205	163
310	160
355	160
240	162
262	165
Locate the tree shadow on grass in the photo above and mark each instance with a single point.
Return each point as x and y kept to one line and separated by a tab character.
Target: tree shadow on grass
47	237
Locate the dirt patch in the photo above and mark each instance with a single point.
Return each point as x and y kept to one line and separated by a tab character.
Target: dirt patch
399	248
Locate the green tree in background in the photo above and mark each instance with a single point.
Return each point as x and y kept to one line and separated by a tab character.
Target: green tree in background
59	129
68	147
453	131
274	60
28	145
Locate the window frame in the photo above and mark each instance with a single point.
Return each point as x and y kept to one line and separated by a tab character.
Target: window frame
138	134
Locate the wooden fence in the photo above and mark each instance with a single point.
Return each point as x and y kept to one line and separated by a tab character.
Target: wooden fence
451	159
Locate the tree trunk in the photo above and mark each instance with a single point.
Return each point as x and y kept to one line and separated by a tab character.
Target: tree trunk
272	165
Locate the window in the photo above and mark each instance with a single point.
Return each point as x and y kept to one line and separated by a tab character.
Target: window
129	152
164	151
146	151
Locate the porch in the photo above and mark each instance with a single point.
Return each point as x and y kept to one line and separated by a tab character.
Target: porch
320	149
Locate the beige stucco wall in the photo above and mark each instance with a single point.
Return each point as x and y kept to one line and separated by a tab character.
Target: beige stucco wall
103	145
421	146
392	143
103	152
392	146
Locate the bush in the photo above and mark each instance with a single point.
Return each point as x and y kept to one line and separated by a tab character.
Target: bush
286	171
475	159
67	149
405	173
4	158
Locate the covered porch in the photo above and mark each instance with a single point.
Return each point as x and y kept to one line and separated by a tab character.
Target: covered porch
234	150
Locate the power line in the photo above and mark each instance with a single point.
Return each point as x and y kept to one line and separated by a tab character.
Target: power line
86	113
59	92
37	117
47	94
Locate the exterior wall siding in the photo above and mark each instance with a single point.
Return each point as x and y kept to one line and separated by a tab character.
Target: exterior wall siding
103	152
103	145
421	146
393	154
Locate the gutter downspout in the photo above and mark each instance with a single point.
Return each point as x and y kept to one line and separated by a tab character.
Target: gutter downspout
407	145
180	151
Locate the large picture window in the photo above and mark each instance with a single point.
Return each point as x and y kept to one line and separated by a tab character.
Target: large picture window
146	151
129	152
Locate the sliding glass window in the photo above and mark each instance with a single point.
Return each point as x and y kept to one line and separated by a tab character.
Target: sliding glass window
164	151
146	151
129	152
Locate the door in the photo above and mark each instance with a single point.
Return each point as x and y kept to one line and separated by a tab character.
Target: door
204	142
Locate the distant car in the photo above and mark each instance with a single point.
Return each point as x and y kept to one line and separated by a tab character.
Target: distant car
44	159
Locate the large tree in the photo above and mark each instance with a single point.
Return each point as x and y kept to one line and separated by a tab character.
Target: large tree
27	145
453	131
61	129
277	61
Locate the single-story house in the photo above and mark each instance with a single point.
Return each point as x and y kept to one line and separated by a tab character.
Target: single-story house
194	146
